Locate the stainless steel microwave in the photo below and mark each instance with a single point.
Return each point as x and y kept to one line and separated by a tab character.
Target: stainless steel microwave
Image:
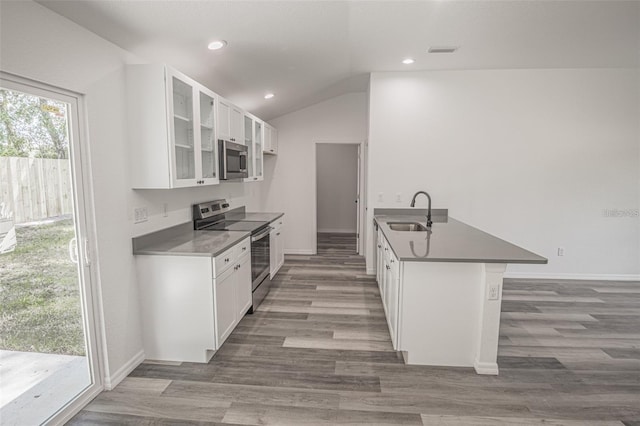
233	160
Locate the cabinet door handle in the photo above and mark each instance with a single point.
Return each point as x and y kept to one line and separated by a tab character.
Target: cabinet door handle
278	233
379	246
392	260
226	260
386	249
244	249
388	267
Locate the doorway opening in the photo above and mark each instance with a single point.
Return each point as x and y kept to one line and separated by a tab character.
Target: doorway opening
338	204
48	350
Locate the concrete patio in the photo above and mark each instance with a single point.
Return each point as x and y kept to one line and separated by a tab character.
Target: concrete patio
33	386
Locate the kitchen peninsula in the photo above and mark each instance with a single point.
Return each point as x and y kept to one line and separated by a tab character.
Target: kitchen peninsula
441	287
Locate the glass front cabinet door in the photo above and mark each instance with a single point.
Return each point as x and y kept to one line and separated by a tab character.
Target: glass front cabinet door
249	142
253	139
184	154
259	143
193	132
208	146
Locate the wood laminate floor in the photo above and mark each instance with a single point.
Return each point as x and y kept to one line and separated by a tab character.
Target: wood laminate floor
318	352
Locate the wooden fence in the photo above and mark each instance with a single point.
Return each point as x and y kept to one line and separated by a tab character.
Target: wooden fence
35	188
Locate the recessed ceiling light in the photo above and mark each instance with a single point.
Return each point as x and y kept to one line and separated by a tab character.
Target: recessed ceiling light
408	61
442	49
217	44
269	96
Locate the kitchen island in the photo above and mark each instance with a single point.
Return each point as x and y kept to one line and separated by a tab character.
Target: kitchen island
441	287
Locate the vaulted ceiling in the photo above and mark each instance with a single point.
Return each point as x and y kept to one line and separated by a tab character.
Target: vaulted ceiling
308	51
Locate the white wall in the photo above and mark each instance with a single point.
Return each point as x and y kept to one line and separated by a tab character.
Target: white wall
532	156
291	188
39	44
337	183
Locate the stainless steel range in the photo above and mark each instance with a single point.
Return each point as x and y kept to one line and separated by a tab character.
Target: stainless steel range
210	216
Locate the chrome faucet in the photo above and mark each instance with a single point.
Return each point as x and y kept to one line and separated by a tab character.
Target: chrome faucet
413	204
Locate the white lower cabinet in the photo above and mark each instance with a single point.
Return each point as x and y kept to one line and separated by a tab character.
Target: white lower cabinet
190	304
380	260
276	246
232	295
392	291
225	309
243	292
388	275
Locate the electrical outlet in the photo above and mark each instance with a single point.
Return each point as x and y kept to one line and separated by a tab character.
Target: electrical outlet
494	291
140	215
165	209
380	197
398	197
560	251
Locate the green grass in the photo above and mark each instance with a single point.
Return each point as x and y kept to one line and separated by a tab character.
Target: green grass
39	293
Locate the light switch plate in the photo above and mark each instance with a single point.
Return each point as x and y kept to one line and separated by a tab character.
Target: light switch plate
140	215
494	291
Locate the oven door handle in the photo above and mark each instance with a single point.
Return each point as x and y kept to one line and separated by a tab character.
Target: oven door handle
262	234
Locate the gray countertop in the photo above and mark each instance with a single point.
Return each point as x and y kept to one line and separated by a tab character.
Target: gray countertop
449	241
182	240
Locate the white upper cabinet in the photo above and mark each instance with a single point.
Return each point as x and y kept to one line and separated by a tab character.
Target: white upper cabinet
224	119
172	129
254	140
231	123
270	140
258	131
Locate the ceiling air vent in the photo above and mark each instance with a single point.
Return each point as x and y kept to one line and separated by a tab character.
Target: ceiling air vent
442	49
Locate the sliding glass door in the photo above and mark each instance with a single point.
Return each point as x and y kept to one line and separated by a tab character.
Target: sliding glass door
48	351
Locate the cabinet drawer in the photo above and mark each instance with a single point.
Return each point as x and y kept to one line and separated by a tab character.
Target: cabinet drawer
277	224
242	248
224	261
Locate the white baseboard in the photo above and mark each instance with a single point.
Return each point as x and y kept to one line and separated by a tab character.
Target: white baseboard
563	276
112	381
298	251
337	231
490	368
371	271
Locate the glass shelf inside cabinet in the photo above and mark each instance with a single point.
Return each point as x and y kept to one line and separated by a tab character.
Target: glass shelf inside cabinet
181	118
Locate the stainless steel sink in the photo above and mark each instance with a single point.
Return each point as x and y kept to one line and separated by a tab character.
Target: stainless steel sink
407	226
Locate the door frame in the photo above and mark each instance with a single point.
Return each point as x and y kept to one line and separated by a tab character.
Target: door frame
361	190
84	215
